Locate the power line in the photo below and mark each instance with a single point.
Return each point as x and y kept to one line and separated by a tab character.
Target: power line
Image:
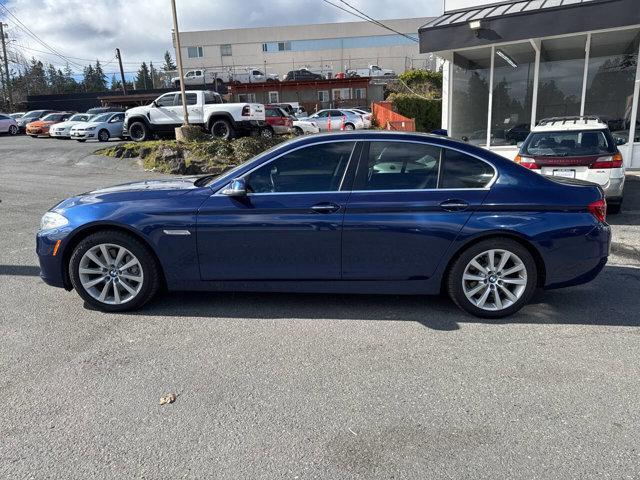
360	14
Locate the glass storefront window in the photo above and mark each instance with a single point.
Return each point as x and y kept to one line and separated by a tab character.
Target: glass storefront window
561	75
513	75
610	79
470	95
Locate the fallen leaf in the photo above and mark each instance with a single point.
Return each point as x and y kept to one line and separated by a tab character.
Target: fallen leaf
168	398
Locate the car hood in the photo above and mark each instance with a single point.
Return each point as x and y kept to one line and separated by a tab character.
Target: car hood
68	124
40	123
179	183
90	124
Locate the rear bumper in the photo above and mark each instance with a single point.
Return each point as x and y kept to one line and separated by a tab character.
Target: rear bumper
614	189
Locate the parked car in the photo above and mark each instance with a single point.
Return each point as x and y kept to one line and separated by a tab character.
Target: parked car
217	78
303	74
372	71
99	127
8	124
516	134
292	108
31	116
278	120
366	116
336	118
62	130
361	212
97	110
304	127
205	108
576	147
17	115
39	128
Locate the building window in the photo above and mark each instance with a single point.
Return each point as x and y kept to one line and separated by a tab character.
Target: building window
274	97
265	47
247	97
225	50
360	93
470	95
195	52
341	93
613	57
284	46
323	96
561	74
513	74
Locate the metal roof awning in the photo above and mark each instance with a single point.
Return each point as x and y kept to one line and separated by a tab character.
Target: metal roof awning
524	19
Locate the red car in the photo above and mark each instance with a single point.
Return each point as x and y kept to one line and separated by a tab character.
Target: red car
279	120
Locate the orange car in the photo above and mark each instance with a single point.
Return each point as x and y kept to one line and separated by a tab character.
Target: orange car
41	127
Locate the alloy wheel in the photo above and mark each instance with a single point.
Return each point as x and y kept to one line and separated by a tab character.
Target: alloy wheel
494	279
111	274
136	132
13	130
220	129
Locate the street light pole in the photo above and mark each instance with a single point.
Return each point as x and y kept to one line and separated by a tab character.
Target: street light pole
7	84
185	111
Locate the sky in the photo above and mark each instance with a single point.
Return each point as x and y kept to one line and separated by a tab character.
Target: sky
82	30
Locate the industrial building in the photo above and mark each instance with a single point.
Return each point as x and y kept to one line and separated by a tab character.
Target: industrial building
510	64
329	47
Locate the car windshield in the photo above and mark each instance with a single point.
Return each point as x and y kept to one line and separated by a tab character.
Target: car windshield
33	114
53	117
79	118
101	118
569	143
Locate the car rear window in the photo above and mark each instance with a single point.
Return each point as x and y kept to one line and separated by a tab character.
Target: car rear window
569	143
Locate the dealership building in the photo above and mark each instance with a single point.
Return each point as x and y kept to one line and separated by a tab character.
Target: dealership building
329	47
510	64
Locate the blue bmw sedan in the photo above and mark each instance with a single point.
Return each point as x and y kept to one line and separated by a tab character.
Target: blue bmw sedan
362	212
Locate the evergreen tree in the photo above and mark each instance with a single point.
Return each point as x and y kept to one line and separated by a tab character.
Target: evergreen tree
143	78
100	80
89	74
168	66
37	78
70	84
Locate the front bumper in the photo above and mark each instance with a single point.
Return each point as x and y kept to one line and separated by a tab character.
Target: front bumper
37	131
52	266
60	133
83	134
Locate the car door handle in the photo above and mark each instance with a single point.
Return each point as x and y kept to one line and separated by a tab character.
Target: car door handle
454	205
325	207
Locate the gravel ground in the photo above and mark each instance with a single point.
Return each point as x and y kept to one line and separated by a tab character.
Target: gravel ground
304	386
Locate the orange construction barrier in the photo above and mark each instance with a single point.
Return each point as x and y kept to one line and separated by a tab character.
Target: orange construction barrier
329	123
343	122
390	120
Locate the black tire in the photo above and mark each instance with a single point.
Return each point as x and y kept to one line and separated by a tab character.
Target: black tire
349	126
13	130
152	277
222	128
176	84
81	140
267	132
103	135
298	131
614	208
138	131
454	280
33	136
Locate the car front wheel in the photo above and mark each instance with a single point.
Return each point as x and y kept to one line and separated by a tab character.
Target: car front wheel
103	136
493	279
113	271
13	130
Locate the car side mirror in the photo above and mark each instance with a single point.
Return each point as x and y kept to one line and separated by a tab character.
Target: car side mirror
154	104
237	188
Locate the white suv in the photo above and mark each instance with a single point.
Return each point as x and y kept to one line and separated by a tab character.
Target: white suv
576	147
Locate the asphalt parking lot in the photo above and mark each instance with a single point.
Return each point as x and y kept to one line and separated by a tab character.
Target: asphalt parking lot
304	386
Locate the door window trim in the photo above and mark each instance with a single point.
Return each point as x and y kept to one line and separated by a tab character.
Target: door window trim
364	157
356	151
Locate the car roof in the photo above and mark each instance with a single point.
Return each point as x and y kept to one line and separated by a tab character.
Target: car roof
556	124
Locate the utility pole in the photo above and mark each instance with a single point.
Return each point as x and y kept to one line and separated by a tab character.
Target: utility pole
185	111
119	57
7	84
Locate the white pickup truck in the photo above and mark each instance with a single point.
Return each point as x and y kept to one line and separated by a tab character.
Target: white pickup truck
205	108
206	77
372	71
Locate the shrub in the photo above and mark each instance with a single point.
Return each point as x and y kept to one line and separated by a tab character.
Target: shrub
427	113
420	77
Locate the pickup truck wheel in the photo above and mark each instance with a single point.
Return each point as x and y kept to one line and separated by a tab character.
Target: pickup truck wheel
222	128
138	132
267	132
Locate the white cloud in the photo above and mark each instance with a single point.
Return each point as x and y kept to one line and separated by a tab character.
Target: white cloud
142	28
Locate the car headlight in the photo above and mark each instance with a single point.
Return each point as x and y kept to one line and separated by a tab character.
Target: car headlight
90	129
52	220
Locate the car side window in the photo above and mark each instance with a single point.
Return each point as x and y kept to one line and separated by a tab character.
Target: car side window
210	98
402	166
166	100
323	114
271	112
118	118
460	170
4	117
316	168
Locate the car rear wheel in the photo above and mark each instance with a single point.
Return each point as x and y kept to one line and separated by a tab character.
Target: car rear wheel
349	126
13	130
267	132
103	136
114	272
493	279
138	132
297	131
222	128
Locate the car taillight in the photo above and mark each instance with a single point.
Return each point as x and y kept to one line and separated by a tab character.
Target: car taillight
527	162
246	111
599	209
608	162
